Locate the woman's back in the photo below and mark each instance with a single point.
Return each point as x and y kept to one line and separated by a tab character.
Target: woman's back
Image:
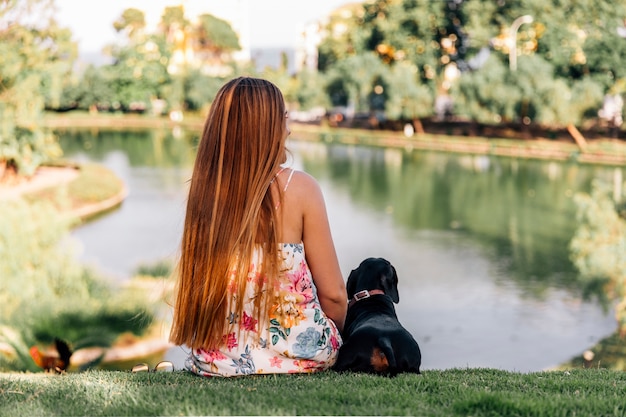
298	337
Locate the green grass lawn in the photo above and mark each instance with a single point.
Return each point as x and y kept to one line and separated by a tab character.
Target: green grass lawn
458	392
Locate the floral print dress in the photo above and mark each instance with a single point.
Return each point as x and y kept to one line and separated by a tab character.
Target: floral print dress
298	338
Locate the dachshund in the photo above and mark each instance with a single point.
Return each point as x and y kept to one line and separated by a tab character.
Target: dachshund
374	340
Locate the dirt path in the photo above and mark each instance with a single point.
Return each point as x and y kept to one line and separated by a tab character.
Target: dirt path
44	177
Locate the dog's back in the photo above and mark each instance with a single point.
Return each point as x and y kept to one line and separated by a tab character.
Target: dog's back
374	339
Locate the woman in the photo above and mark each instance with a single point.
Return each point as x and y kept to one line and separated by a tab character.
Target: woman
250	300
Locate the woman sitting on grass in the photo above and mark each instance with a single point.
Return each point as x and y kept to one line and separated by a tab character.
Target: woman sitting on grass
250	300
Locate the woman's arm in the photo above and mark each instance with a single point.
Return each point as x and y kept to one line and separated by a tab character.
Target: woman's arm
320	250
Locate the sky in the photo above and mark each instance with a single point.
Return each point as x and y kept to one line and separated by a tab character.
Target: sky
268	23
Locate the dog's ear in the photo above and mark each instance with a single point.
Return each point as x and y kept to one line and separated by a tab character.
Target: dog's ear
351	284
390	284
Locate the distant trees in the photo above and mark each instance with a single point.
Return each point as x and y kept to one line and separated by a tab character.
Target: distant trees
568	57
37	57
178	66
402	60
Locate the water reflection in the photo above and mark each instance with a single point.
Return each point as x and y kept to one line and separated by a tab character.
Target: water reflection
521	211
147	226
480	243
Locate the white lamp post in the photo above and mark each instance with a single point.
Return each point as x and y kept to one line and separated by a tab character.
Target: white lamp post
513	39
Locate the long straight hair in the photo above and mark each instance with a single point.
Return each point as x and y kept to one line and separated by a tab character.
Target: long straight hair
230	212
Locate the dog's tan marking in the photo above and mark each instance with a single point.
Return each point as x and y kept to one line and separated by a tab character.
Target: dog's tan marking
378	360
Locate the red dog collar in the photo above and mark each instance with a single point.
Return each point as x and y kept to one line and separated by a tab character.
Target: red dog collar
361	295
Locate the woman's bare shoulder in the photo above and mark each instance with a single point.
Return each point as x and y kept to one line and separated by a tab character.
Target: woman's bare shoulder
304	182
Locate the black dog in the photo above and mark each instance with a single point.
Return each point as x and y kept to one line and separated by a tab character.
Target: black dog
374	339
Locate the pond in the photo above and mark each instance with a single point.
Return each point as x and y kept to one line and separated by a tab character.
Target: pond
480	243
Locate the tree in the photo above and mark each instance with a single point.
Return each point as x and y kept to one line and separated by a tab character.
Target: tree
387	57
338	37
354	79
179	64
408	97
571	49
138	74
598	248
215	35
307	93
484	95
132	21
200	89
95	91
37	56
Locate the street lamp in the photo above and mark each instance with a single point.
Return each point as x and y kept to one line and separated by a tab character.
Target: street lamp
513	39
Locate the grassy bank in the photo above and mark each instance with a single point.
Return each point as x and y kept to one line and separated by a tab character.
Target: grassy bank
94	190
599	151
461	392
603	151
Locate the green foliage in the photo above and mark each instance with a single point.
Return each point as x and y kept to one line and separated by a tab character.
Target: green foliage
28	148
408	97
94	90
216	34
454	392
598	249
608	353
105	316
493	94
132	20
404	30
308	93
586	98
569	56
200	89
599	246
161	269
37	56
338	44
138	75
173	16
355	77
94	183
484	95
154	66
34	265
543	99
45	293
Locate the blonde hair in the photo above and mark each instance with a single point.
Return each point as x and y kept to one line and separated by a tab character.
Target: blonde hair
230	212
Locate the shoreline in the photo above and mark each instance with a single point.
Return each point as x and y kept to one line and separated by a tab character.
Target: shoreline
599	151
48	177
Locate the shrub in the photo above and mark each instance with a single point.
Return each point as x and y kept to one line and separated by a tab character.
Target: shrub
45	293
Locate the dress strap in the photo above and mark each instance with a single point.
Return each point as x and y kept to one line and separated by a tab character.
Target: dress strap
277	174
288	180
286	184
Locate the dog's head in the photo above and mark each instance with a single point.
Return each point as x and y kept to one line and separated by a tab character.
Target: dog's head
374	274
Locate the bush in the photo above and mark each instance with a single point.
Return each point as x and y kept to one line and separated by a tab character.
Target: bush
45	293
598	248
